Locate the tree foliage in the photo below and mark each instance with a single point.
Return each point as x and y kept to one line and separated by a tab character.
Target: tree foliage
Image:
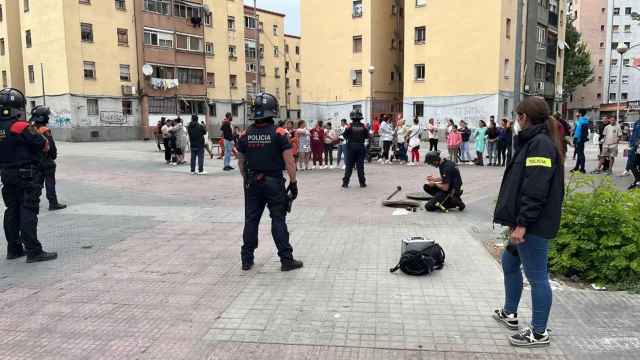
578	70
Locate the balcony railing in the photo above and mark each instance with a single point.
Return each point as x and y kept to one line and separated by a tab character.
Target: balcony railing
553	19
552	51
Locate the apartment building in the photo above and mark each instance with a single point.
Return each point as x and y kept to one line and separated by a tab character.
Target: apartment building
352	56
591	19
293	76
11	66
621	73
84	68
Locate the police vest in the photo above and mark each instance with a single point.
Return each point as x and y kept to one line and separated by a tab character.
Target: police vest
358	134
264	147
7	144
17	145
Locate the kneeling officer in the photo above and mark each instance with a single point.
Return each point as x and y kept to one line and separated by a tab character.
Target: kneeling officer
21	150
264	152
447	189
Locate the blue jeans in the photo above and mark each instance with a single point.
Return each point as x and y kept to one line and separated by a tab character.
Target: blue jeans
228	150
533	256
581	161
631	160
197	154
464	151
342	149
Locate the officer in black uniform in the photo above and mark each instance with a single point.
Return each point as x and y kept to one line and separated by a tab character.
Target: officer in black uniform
264	152
40	119
21	150
356	135
447	189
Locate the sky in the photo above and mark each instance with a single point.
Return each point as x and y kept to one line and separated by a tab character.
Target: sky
291	8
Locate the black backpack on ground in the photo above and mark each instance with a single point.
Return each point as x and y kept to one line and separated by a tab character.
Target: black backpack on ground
423	262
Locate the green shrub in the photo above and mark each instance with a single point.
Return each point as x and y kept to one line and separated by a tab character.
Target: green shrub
599	238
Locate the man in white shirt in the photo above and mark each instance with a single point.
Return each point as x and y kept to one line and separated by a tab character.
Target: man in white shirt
611	134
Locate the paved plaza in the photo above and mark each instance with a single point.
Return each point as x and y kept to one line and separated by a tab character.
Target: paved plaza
149	268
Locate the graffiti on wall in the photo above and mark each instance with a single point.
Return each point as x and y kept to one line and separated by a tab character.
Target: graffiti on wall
113	118
60	119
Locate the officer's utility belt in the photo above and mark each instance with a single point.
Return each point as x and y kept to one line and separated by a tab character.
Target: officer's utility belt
260	176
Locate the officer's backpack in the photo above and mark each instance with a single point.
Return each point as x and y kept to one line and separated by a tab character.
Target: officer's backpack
421	262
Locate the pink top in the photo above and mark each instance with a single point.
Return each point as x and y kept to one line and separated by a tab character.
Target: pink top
454	139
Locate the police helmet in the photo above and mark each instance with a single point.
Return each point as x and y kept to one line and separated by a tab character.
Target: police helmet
265	106
12	102
40	114
356	115
432	158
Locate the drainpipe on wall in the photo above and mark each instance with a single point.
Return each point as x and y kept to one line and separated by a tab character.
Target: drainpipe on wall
518	60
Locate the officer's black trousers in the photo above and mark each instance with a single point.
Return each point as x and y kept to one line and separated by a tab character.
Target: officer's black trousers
268	192
447	200
356	154
50	186
21	192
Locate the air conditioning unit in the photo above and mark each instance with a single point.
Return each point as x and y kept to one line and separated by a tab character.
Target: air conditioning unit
128	90
540	86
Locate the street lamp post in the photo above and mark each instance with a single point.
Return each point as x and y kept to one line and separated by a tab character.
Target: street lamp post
622	49
372	69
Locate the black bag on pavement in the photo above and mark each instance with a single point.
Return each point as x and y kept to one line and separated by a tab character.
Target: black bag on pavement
424	262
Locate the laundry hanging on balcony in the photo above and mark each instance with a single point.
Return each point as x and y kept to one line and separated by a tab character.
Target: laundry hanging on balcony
164	84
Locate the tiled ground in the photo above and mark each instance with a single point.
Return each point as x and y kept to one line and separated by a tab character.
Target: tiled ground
149	269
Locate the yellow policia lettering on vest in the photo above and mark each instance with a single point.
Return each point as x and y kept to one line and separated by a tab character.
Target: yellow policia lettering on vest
538	161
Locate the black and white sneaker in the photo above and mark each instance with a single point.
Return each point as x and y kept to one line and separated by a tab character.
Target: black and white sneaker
508	320
529	338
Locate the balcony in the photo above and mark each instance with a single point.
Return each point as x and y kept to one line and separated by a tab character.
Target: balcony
552	51
553	19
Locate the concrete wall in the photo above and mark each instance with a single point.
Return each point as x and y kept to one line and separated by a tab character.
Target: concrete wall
332	111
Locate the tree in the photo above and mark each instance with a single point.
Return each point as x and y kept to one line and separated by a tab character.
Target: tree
578	70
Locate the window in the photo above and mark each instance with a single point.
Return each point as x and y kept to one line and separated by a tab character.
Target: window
26	5
614	45
209	49
626	62
625	79
508	28
4	79
298	67
287	83
1	12
420	72
120	5
191	107
252	67
250	22
123	37
418	109
276	51
260	26
624	96
542	38
250	49
598	96
393	76
127	107
157	6
357	8
614	62
616	28
233	82
601	45
297	50
2	47
125	75
505	107
32	74
92	107
156	38
627	44
599	79
162	105
27	38
263	71
357	44
506	69
190	76
188	43
612	96
89	70
232	52
213	111
616	11
234	109
208	18
539	71
163	72
231	23
286	48
185	10
85	2
627	11
613	79
277	72
297	83
356	77
421	35
600	62
275	30
211	80
421	3
627	28
86	32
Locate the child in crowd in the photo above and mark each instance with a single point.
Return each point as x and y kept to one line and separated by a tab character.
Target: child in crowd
454	140
414	142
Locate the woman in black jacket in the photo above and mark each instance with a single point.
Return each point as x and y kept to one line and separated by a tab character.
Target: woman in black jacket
530	204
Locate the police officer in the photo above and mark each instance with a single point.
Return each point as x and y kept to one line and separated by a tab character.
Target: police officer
264	152
447	189
21	148
355	135
40	119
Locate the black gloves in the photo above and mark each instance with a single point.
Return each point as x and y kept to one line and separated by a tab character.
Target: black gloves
293	190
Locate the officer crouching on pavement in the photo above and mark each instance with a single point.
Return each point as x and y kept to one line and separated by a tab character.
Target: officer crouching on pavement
40	119
355	135
447	189
264	152
21	148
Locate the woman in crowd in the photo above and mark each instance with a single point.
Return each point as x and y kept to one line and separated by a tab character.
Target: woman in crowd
414	142
492	143
432	133
293	139
454	139
182	141
386	136
530	204
158	133
330	139
342	146
480	138
304	145
450	125
464	130
503	140
403	134
317	144
166	140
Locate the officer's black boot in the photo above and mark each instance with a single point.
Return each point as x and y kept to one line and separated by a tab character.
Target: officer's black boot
57	206
42	256
246	266
345	184
288	265
14	252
